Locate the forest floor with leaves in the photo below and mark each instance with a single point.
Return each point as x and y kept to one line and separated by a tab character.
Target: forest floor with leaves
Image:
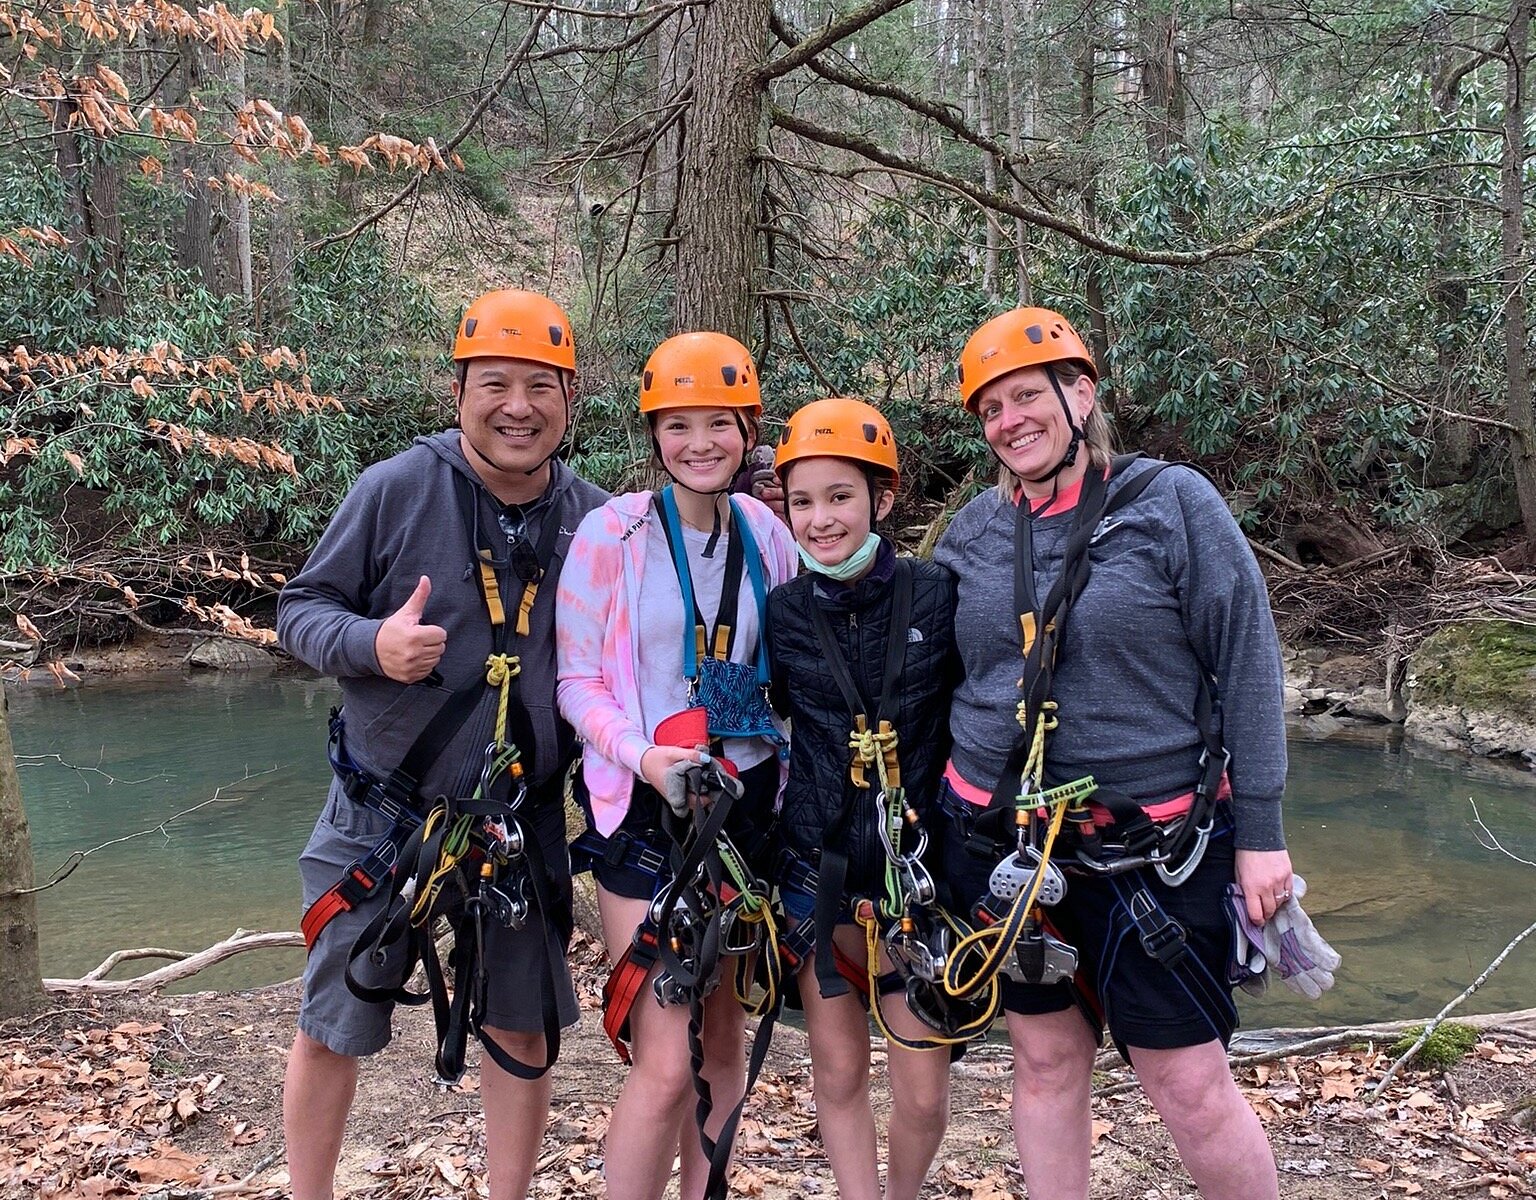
180	1098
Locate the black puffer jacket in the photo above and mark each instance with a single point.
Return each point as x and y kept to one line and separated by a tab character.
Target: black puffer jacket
806	691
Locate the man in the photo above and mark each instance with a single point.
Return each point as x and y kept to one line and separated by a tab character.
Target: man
399	602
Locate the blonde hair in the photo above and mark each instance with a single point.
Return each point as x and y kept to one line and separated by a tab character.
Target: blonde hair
1098	437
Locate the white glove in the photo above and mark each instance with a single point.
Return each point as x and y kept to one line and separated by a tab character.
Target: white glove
1292	945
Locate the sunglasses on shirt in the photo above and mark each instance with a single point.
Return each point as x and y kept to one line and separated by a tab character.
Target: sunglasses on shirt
525	560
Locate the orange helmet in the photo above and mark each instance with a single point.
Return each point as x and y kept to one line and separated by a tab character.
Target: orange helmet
513	324
700	370
1024	337
838	428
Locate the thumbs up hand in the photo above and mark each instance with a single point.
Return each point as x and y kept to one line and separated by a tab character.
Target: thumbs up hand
407	650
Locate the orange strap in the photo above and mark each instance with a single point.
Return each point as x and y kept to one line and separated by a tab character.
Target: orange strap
623	987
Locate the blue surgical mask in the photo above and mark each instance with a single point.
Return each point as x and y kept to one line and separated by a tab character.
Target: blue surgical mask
851	567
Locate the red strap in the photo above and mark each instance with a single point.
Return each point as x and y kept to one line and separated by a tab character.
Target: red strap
620	991
319	914
850	970
333	903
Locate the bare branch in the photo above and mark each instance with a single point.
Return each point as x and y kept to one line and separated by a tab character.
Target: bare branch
938	111
1039	216
514	60
1434	1023
67	868
185	966
830	35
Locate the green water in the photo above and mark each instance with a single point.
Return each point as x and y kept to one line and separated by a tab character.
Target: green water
1385	837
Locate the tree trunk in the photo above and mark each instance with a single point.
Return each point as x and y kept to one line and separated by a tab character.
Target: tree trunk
194	239
1455	441
1517	376
282	233
21	975
1093	284
1162	81
235	207
91	186
981	81
1021	126
718	189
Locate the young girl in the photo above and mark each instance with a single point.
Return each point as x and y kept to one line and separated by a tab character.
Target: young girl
660	613
863	660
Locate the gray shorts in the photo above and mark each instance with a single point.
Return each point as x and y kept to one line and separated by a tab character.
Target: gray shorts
337	1019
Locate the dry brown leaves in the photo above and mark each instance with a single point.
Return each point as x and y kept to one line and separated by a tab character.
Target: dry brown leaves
84	1113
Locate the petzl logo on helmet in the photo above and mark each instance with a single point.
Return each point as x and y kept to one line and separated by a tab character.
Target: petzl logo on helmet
820	432
986	354
682	381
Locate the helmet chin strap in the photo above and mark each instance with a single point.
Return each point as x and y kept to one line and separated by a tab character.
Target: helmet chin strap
565	392
1070	457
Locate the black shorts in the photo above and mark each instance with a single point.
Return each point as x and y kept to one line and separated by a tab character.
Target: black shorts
749	826
1143	1003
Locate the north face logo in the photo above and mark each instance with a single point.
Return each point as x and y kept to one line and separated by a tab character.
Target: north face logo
914	635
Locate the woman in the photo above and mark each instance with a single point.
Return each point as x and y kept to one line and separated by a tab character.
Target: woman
832	633
660	605
1148	655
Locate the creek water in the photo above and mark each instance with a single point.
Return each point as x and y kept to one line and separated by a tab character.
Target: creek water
1386	837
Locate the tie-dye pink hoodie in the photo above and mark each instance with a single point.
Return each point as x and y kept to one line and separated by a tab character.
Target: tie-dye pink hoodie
597	614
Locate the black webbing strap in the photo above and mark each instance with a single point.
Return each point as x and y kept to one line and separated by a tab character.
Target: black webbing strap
520	726
698	874
718	1148
834	839
1043	623
465	1012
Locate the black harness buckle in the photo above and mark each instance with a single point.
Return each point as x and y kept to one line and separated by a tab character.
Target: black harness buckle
1161	936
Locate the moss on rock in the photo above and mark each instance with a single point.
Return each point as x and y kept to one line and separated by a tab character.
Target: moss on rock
1486	666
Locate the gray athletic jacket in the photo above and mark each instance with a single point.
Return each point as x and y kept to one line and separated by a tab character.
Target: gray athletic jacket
1174	589
399	522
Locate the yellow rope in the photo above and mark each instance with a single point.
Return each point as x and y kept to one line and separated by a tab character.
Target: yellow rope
864	914
873	748
500	671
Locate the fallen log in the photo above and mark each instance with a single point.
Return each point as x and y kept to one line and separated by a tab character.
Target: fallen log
184	966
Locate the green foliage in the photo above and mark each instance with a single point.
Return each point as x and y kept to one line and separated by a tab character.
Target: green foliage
104	478
1445	1047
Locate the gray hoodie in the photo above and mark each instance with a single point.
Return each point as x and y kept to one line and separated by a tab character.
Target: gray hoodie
399	522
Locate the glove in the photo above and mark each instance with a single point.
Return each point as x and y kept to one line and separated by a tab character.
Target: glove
1293	947
1249	968
679	783
685	779
714	776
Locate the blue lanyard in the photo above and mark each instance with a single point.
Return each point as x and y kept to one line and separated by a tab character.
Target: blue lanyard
744	544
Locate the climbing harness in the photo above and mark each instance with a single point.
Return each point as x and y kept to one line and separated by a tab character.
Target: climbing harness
463	862
1056	830
916	932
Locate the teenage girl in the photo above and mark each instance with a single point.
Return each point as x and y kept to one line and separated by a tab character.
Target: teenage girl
661	602
862	643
